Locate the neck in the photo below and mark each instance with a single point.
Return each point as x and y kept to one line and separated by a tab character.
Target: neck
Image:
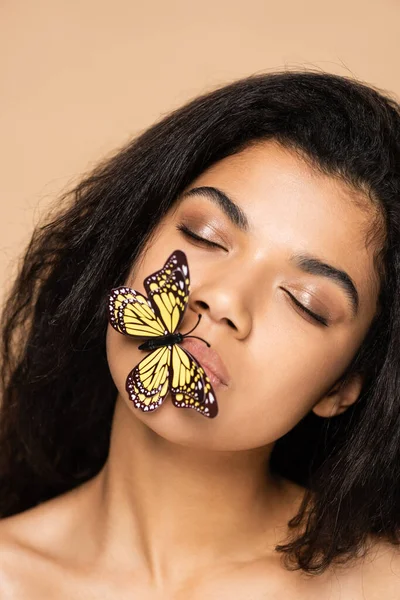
179	507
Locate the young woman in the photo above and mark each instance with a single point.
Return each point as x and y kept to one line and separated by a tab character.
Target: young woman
283	191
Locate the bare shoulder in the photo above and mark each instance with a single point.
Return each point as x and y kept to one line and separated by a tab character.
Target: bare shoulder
374	576
15	557
381	570
18	556
32	545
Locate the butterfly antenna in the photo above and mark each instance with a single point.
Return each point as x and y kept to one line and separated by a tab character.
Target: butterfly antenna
185	335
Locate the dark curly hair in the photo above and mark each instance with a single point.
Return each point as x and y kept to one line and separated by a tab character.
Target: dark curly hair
58	396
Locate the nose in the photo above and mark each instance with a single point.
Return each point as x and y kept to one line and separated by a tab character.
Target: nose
224	301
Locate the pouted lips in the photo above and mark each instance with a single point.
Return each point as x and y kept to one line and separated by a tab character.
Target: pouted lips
209	360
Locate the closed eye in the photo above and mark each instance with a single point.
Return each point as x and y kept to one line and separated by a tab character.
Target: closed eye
190	234
318	318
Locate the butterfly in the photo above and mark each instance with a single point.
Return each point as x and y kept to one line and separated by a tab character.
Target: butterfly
169	367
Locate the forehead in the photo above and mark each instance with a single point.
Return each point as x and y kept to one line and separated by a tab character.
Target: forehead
292	207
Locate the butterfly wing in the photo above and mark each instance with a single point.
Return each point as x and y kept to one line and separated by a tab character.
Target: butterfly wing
147	383
168	368
131	313
189	384
168	290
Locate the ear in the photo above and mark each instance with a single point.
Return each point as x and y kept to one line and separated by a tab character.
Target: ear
342	395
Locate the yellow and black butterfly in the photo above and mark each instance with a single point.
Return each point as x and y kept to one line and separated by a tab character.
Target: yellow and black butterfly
169	367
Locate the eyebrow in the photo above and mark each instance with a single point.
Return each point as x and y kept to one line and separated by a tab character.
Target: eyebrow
228	206
303	261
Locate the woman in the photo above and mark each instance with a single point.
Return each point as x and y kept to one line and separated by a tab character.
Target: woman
283	192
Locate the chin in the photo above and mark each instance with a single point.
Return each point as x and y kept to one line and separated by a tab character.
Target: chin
186	427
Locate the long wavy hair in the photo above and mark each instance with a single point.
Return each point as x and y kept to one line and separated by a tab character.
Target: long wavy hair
58	396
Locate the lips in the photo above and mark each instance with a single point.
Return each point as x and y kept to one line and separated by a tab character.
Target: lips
209	360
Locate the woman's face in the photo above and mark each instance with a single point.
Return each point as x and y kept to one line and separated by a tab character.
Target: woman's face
281	362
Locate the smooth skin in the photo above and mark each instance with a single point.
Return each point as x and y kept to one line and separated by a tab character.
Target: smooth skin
185	507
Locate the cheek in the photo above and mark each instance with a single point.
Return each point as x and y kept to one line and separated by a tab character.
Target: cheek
278	386
260	417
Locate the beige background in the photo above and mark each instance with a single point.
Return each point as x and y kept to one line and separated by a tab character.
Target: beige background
80	77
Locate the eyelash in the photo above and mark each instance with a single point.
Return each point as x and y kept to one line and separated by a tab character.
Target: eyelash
317	318
190	234
187	232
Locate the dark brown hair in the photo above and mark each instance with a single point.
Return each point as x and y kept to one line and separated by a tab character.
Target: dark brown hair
57	393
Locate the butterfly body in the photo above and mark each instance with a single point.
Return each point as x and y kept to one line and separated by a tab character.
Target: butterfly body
156	318
164	340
